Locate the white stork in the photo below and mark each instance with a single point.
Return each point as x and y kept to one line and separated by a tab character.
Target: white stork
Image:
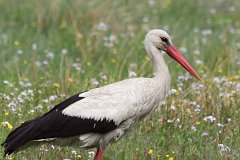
95	118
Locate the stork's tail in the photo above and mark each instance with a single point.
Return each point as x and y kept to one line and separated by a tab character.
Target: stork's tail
18	137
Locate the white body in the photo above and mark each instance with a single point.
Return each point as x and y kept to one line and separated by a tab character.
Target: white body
121	100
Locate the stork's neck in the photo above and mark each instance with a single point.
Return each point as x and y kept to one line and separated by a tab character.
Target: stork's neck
160	67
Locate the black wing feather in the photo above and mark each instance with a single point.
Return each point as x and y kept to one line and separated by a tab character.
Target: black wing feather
54	124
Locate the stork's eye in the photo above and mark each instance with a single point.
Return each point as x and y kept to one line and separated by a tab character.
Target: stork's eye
164	39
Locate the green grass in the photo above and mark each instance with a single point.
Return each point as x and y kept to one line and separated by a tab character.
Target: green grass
183	132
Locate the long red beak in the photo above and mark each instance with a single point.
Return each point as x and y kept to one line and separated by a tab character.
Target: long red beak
177	55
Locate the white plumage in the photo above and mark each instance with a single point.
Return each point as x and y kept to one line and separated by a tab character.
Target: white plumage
120	101
102	115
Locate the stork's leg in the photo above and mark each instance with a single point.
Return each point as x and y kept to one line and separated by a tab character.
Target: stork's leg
99	154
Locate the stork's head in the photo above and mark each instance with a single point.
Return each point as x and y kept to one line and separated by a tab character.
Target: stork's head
161	40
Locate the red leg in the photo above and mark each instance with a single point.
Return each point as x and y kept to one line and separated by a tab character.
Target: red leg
99	154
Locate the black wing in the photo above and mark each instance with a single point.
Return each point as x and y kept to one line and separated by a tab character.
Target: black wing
54	124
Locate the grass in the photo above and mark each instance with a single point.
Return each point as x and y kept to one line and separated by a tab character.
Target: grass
50	50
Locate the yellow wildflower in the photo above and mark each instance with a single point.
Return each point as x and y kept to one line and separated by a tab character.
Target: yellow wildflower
173	102
9	157
6	114
3	124
17	42
188	110
9	126
147	58
79	156
233	77
89	63
158	155
167	155
150	151
170	158
166	3
70	80
197	123
114	60
57	85
201	71
219	70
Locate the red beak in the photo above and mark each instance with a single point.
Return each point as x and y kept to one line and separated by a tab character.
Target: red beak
173	52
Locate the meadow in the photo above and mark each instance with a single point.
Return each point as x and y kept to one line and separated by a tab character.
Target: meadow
50	50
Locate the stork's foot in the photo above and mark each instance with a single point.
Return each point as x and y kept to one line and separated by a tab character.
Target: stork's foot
99	154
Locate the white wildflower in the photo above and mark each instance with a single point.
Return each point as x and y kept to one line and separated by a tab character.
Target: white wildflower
198	61
6	82
133	65
19	51
64	51
204	134
39	106
232	8
173	107
162	103
172	91
103	76
131	74
197	109
45	62
209	118
196	51
50	55
95	82
223	149
220	125
20	99
170	120
7	97
74	152
206	32
11	104
28	84
110	41
34	46
238	87
194	128
151	3
52	98
45	101
213	10
102	26
183	49
31	111
91	154
196	30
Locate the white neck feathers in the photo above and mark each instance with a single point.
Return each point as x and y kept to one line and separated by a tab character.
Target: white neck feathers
160	67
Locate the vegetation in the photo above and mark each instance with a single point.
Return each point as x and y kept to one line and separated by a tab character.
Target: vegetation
50	50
